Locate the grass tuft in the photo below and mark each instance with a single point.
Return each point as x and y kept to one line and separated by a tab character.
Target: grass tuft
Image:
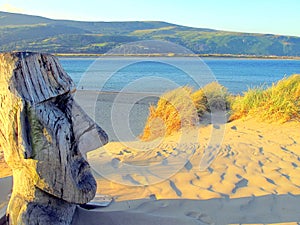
280	102
175	109
182	108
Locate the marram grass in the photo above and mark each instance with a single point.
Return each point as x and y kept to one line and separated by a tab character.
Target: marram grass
175	109
182	108
278	103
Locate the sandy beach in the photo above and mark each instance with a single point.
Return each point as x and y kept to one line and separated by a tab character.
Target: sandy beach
111	110
252	176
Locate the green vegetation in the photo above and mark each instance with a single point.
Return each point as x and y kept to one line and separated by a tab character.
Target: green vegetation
31	33
182	107
279	103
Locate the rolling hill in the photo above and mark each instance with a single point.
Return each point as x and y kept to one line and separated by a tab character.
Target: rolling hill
20	32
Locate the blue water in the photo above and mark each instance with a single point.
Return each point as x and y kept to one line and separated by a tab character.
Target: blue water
162	74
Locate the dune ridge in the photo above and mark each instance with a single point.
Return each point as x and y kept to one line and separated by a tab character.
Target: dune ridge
254	178
255	159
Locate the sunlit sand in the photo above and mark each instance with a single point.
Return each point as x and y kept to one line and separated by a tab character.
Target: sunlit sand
253	179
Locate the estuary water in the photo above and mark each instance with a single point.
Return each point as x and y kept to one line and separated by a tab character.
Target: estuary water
158	74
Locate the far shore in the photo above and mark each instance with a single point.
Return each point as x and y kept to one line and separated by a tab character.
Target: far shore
178	55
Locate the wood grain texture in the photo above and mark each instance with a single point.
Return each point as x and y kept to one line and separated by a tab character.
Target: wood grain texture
44	134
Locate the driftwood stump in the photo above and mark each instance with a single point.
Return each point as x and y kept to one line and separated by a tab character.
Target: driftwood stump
43	134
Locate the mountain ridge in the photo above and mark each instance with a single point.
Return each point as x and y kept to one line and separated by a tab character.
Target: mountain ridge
21	32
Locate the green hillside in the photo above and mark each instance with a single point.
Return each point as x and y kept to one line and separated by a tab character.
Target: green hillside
20	32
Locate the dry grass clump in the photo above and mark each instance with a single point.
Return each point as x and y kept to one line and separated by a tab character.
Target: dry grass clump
175	109
280	103
216	97
182	108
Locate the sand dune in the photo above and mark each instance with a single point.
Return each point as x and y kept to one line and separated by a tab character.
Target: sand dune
255	159
252	175
254	178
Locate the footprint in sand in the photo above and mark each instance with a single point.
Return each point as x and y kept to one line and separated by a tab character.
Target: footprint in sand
283	174
152	197
240	184
188	165
239	176
211	170
261	150
175	188
115	163
294	165
222	176
126	151
166	151
120	153
270	181
233	128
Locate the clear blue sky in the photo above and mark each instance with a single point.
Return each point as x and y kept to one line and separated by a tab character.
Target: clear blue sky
256	16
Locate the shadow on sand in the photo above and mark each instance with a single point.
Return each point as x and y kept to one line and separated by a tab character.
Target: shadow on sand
251	210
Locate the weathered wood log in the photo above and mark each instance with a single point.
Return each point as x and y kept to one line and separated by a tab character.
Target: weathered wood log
43	134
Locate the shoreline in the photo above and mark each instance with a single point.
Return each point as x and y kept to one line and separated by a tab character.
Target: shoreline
91	55
116	112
